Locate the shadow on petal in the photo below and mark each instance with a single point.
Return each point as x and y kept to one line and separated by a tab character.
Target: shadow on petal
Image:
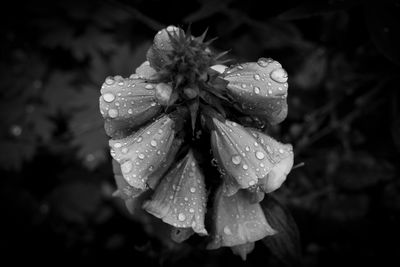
237	221
180	198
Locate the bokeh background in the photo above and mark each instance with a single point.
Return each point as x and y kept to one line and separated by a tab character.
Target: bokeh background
56	176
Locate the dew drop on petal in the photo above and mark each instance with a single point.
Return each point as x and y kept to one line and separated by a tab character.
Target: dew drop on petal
247	148
108	97
148	86
191	210
130	111
281	151
279	75
256	77
192	189
227	230
260	155
181	217
236	159
256	90
126	166
139	139
153	143
252	182
117	145
141	156
245	167
113	113
109	80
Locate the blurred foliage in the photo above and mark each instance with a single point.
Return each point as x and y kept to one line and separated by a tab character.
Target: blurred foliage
343	63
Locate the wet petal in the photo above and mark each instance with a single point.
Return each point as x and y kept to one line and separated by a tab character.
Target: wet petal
142	153
243	250
260	87
145	71
281	155
237	221
155	177
126	104
124	190
180	198
239	153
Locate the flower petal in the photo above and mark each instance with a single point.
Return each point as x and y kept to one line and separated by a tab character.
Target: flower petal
126	104
142	153
281	155
145	71
243	250
124	190
237	221
180	198
239	153
260	87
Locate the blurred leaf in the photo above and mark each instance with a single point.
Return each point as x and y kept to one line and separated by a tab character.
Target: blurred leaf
14	153
285	244
316	8
345	208
383	21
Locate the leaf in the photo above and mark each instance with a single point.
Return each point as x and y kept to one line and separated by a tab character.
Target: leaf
383	22
285	245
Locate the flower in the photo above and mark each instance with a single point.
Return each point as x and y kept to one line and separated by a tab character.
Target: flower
260	88
127	103
141	154
180	198
280	155
237	221
240	154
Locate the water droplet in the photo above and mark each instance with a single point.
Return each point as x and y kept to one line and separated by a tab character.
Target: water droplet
263	62
139	139
236	159
153	104
181	217
281	151
113	113
245	167
109	80
121	83
191	210
279	75
117	145
108	97
256	90
148	86
252	182
130	111
244	85
227	230
124	150
192	189
126	166
240	67
153	143
256	77
270	92
141	156
260	155
247	148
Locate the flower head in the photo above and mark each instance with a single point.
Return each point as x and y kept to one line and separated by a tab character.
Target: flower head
260	88
180	198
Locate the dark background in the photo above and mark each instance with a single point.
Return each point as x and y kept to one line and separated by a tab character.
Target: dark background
56	176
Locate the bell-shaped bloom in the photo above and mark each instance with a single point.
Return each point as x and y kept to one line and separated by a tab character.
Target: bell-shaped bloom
260	88
124	190
280	155
237	221
180	198
126	104
157	55
142	153
239	154
243	250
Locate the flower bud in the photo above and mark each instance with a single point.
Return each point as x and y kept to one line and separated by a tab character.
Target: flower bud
142	153
145	71
237	221
180	198
126	104
260	87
